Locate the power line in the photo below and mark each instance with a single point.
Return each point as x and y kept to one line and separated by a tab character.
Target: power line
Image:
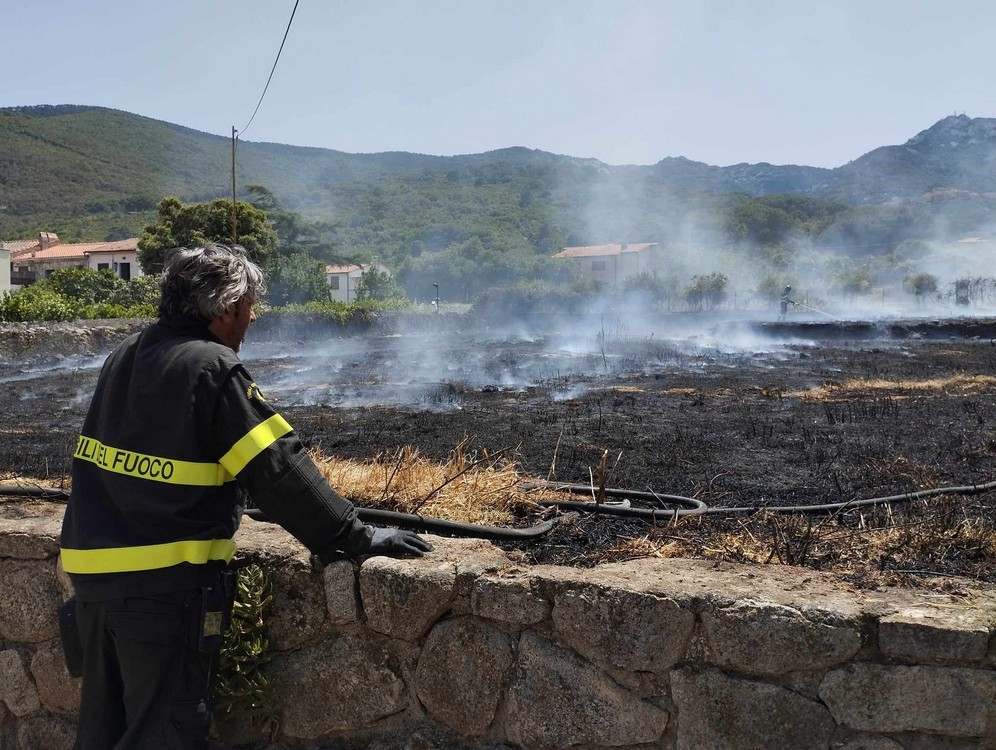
273	69
235	133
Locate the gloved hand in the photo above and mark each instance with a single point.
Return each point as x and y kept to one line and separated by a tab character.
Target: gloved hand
397	543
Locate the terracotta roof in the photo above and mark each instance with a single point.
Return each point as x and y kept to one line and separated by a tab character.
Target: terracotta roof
343	269
18	246
121	246
601	250
59	251
76	250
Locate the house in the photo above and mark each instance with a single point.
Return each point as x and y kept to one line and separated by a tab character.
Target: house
344	281
613	264
4	270
32	260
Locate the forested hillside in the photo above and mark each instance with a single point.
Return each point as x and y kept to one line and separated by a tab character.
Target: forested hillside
91	174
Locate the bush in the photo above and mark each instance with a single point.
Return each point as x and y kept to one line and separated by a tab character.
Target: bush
85	284
379	285
140	291
38	302
296	279
362	311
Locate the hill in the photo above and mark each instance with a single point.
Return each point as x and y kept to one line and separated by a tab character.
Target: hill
87	171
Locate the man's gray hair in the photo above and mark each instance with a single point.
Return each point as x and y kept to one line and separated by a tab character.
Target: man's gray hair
203	282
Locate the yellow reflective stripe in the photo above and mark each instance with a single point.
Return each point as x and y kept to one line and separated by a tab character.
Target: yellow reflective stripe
153	468
148	557
254	442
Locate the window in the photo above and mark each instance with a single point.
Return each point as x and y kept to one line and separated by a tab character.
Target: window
333	282
102	266
598	265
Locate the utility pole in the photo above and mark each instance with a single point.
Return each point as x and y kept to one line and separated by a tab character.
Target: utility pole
235	234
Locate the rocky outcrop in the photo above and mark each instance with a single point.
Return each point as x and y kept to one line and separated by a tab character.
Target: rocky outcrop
469	648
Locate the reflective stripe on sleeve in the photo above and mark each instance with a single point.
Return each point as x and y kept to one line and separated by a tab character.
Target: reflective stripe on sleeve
149	557
153	468
254	442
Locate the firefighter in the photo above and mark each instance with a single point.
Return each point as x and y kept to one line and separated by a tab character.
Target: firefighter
785	302
176	439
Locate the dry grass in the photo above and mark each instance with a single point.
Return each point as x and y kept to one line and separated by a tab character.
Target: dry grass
471	487
942	536
929	536
846	389
934	536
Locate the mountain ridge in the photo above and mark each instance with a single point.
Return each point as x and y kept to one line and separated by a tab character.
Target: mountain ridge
58	160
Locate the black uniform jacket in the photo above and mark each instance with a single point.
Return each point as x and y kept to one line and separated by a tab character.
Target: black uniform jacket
176	436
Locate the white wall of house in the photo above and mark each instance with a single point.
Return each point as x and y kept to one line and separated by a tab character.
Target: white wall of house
343	285
612	270
124	264
4	271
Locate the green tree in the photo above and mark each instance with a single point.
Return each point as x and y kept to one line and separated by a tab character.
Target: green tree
38	302
708	291
296	279
853	282
195	224
295	234
648	287
379	285
141	290
921	285
85	284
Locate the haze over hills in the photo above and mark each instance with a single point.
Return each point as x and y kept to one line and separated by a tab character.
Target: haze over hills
60	161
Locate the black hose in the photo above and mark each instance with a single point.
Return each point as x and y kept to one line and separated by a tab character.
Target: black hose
697	507
692	507
16	490
402	520
430	524
970	489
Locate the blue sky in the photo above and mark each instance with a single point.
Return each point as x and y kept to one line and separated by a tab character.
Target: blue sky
623	81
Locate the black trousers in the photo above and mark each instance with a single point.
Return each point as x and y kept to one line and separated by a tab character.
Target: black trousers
146	683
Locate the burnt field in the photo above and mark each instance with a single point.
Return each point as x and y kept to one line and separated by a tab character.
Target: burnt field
731	414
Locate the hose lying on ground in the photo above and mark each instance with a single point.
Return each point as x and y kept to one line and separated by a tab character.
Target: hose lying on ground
694	507
439	525
370	515
690	507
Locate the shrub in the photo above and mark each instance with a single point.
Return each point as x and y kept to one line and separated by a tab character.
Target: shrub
361	311
379	285
140	291
38	302
85	284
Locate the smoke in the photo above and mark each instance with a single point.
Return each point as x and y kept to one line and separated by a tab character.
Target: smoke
17	372
560	357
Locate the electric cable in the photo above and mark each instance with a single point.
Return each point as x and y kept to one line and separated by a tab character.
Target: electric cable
273	69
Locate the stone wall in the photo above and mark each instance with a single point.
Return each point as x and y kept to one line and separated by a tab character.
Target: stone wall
470	648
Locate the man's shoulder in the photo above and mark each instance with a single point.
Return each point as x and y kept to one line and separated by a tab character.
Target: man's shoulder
193	348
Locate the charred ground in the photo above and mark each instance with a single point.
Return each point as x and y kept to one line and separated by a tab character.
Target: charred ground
818	415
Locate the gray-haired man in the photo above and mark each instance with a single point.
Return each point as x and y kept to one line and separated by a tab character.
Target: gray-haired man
176	437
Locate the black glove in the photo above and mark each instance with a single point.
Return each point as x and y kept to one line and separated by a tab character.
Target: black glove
397	543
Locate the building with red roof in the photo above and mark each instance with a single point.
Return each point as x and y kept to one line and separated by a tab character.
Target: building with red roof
614	263
344	280
31	260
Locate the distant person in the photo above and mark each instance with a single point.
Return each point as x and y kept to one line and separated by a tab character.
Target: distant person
785	302
176	439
